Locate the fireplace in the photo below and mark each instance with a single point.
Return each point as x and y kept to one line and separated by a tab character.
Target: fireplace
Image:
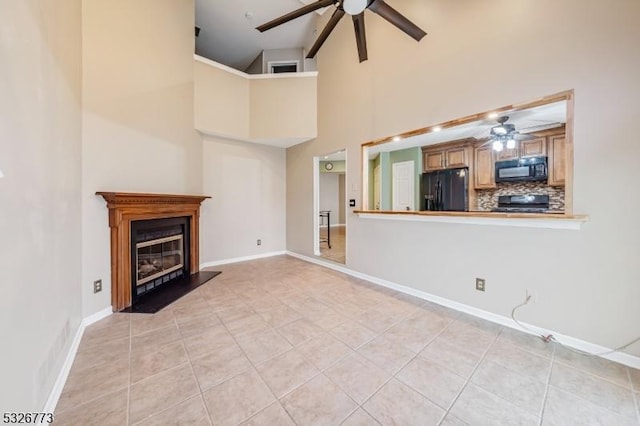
154	241
159	253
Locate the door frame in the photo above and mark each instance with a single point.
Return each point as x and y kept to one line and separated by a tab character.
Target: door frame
316	203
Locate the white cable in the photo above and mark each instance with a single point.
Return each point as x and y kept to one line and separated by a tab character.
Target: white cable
550	338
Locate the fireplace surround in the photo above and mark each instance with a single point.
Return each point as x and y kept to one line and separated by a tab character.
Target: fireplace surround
130	210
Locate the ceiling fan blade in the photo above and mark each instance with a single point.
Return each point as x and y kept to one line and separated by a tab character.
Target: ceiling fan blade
397	19
361	39
295	14
333	21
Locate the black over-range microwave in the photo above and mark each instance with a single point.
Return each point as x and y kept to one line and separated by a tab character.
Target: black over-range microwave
524	169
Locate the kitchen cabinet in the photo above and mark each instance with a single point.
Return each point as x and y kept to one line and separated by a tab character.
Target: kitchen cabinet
456	157
524	149
533	148
557	160
508	154
434	160
446	156
484	167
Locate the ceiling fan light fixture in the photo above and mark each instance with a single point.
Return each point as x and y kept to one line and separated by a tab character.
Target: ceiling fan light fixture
499	130
511	143
354	7
497	146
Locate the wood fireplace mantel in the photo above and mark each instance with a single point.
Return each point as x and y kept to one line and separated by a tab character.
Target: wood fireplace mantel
125	207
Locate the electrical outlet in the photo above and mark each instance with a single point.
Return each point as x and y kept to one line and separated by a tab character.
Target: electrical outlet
259	242
480	284
97	286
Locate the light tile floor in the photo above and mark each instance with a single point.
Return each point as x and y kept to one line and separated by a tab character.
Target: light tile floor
281	342
338	242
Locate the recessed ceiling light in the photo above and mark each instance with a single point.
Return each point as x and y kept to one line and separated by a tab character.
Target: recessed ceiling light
248	15
326	157
397	138
492	115
436	129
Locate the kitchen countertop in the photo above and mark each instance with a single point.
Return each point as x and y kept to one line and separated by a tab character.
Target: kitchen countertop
531	220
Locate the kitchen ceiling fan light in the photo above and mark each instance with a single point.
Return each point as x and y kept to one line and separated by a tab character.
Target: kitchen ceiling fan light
511	143
499	130
497	146
354	7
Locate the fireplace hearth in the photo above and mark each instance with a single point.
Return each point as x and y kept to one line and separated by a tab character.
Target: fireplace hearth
154	243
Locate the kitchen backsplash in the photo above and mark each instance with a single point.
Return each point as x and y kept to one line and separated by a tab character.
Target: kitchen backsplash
487	199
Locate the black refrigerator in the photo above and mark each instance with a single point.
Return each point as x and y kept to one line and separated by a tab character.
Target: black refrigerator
445	190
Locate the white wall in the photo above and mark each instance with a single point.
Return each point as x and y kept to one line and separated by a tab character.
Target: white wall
221	101
138	133
328	186
247	183
275	109
588	287
40	154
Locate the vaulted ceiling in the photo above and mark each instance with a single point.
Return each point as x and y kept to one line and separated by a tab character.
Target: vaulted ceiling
228	34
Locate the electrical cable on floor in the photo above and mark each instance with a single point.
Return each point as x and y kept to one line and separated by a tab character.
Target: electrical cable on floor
549	338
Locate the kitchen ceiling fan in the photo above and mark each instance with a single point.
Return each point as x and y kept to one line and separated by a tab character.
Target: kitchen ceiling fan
356	9
505	134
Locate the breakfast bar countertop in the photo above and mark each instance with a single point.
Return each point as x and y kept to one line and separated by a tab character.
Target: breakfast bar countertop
529	220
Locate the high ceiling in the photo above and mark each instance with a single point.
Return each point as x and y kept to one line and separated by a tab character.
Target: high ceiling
228	34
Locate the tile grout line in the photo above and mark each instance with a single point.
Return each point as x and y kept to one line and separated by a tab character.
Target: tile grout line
201	393
634	395
393	376
546	388
593	373
293	347
255	369
173	367
128	419
466	383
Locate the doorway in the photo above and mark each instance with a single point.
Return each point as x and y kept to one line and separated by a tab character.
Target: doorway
330	198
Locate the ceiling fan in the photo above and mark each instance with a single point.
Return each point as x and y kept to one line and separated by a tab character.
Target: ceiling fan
505	134
356	9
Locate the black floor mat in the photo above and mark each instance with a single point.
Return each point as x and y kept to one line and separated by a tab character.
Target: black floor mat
153	301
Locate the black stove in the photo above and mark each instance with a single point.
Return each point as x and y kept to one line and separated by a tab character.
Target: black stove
522	204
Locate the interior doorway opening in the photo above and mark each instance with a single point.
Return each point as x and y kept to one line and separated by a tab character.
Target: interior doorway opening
330	200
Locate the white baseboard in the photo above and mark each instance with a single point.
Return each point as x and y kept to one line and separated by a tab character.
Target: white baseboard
581	345
54	395
241	259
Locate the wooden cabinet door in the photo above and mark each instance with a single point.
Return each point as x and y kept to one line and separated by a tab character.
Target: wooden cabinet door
484	168
508	154
557	160
456	157
533	148
433	160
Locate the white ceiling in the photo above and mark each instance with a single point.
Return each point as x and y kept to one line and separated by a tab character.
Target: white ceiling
526	121
334	156
228	37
